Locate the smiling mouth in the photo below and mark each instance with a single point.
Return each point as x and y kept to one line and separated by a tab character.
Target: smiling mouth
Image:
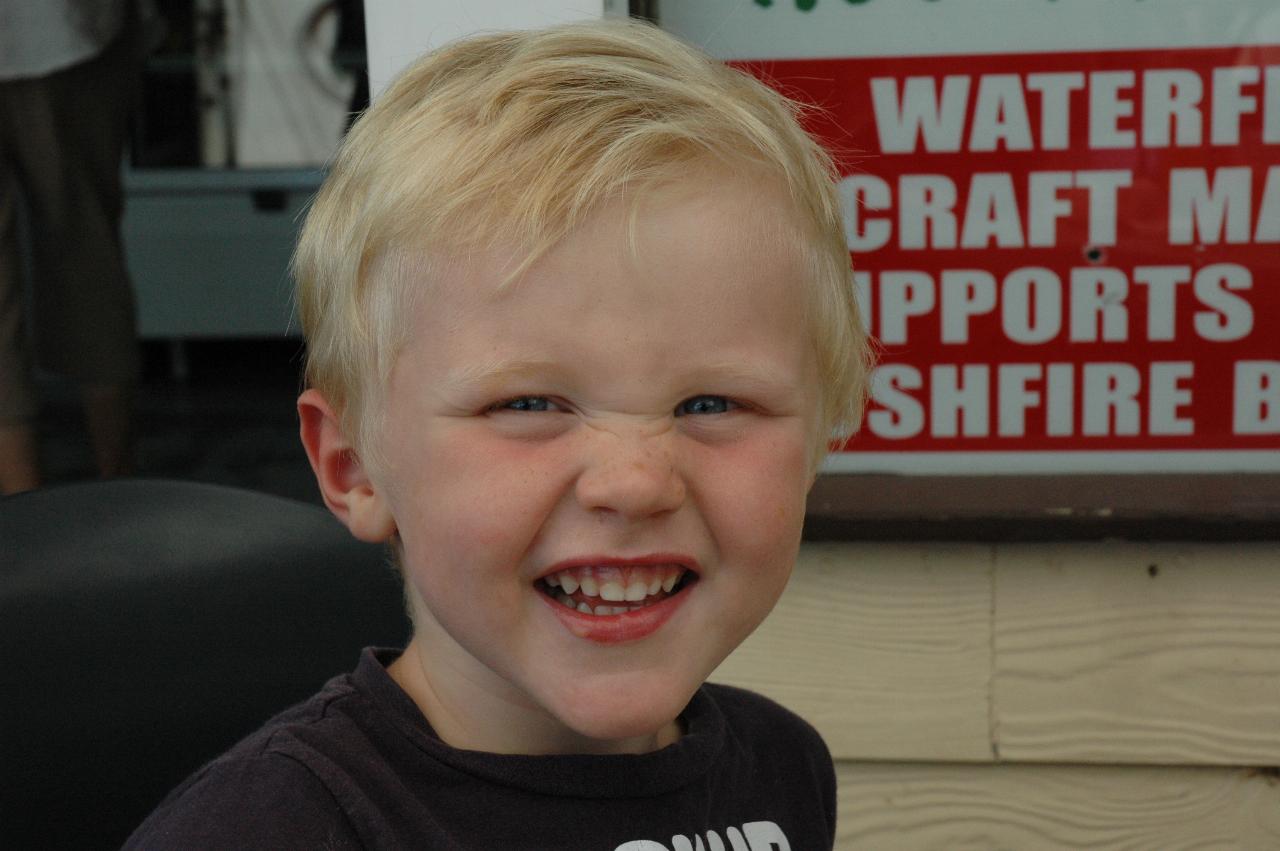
602	590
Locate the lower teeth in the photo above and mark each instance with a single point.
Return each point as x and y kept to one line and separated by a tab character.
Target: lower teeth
586	609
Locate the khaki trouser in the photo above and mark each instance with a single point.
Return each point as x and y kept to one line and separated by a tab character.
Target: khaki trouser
61	141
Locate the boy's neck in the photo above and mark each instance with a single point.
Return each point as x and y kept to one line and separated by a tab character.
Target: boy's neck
486	722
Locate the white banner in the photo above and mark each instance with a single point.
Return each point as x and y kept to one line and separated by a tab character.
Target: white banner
788	29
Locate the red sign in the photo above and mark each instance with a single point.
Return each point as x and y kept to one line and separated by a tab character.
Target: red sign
1063	255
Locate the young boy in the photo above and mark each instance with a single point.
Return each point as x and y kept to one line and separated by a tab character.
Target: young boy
580	329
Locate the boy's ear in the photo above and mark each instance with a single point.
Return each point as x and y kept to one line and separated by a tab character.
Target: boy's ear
344	482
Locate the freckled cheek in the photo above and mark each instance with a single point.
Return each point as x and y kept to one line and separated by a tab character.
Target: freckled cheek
757	493
777	462
487	493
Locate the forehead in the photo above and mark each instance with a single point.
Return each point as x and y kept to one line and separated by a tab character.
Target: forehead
711	266
676	241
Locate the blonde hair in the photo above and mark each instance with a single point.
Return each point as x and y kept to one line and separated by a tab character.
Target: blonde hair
513	139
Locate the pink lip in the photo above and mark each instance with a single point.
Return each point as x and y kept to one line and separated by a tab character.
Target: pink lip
629	626
615	629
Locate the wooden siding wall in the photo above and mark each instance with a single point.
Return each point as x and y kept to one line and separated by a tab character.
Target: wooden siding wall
1099	696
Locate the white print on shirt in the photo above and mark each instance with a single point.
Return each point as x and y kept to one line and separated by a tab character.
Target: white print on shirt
754	836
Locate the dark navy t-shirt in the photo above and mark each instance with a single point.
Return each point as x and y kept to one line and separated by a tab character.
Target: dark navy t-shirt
358	766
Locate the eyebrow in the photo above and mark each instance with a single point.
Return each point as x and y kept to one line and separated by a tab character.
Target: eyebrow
496	376
499	371
732	372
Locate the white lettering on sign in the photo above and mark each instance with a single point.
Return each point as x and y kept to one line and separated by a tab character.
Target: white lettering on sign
902	295
1198	209
1169	394
1031	305
920	111
1111	399
991	214
1257	397
859	192
1271	114
1055	106
926	211
1046	206
965	293
900	415
960	396
1162	284
1000	115
1107	106
954	114
1231	103
1208	211
1098	309
1172	100
957	399
1034	307
927	217
1229	317
1025	386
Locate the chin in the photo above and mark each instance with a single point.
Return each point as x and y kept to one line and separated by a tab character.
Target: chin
623	718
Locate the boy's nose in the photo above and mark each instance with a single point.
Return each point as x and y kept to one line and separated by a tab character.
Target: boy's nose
631	475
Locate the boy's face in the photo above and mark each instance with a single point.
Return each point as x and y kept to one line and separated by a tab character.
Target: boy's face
628	417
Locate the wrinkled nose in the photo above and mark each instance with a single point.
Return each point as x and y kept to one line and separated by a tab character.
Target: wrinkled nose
631	475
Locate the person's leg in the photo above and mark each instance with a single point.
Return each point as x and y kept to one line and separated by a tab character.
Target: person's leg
19	470
86	328
109	416
19	461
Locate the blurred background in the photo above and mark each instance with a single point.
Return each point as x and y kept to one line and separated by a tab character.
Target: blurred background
239	106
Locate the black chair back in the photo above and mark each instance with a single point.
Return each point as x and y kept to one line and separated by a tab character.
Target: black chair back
146	626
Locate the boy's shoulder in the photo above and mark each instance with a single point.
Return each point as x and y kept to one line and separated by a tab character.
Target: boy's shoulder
752	713
270	789
770	734
317	775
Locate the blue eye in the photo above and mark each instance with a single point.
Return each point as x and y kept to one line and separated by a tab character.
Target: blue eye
530	404
703	405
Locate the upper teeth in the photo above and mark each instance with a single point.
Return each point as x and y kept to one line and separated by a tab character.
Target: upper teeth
613	584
